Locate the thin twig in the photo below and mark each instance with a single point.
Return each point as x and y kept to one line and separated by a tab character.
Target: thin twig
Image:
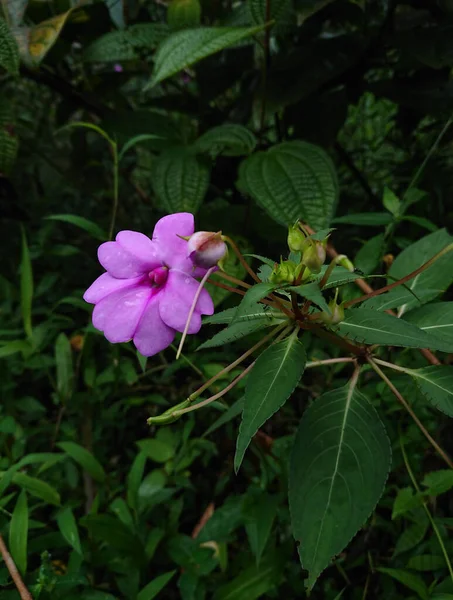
407	406
15	575
329	361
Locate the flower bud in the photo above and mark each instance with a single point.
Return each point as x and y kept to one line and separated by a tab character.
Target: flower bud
296	239
336	314
314	256
206	248
285	272
344	261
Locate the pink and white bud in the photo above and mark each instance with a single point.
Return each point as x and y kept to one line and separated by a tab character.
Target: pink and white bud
206	248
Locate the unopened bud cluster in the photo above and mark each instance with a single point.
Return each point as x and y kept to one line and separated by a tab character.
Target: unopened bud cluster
313	251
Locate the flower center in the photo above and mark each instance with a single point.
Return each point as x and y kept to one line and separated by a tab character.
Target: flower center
158	277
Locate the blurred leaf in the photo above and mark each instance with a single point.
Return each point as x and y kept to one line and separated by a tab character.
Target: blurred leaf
156	450
151	590
85	459
38	488
134	478
14	11
18	533
68	527
8	348
26	287
9	140
113	532
253	582
438	482
411	581
312	292
137	139
259	523
231	413
369	257
271	382
411	537
185	48
182	14
436	384
65	369
364	219
339	465
426	562
227	140
291	181
391	202
9	52
405	501
118	46
281	12
85	224
180	180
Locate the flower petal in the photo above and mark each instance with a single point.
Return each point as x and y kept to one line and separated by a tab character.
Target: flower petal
176	299
130	260
172	247
152	334
118	314
105	285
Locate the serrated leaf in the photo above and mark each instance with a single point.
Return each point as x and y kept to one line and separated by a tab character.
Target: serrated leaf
65	369
238	330
339	466
85	459
339	276
312	292
410	580
151	590
368	326
271	382
257	312
399	296
37	487
26	287
68	528
435	319
9	52
253	295
292	181
437	277
180	180
92	228
18	533
227	140
436	384
117	46
438	482
185	48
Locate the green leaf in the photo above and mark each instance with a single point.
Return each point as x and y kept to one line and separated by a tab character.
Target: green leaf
257	312
26	287
117	535
370	219
151	590
435	319
405	501
436	384
18	533
238	330
9	52
312	292
391	202
437	277
271	382
253	582
85	459
339	276
185	48
231	413
411	537
291	181
156	450
259	523
399	296
65	369
180	180
438	482
182	14
411	581
68	527
85	224
368	326
281	12
426	562
38	488
253	295
9	140
369	256
117	46
227	140
8	348
339	466
137	139
134	479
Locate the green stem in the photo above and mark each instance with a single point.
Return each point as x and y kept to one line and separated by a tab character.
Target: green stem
115	187
428	513
384	363
329	361
188	361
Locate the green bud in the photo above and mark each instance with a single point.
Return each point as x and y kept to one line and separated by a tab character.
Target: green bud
344	261
167	417
336	314
285	272
314	256
296	239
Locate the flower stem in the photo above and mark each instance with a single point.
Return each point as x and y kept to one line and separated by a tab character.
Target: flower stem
407	406
428	513
232	279
192	310
114	147
329	361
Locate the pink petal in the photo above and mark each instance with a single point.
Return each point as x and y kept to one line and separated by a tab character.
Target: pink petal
139	245
176	299
106	284
118	314
152	335
127	262
172	247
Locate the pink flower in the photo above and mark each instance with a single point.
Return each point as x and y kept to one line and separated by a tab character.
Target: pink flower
149	286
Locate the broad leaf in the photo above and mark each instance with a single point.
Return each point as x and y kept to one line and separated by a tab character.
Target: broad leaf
339	466
153	588
85	459
238	330
228	140
291	181
187	47
9	52
68	527
437	277
436	384
180	180
18	533
368	326
369	256
271	382
38	488
256	312
435	319
253	295
408	579
399	296
438	482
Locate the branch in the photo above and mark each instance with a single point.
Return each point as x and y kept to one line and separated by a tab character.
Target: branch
15	575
